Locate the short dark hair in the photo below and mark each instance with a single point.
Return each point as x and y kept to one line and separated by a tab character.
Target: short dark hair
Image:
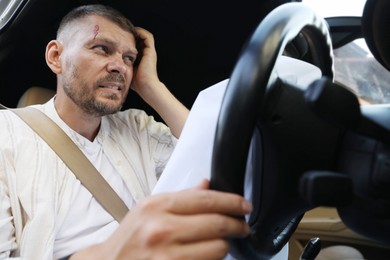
100	10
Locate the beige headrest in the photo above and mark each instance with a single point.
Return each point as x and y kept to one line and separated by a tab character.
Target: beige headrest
35	95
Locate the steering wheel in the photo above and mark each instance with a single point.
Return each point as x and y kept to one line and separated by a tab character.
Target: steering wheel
245	121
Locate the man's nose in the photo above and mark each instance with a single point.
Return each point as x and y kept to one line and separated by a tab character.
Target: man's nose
116	64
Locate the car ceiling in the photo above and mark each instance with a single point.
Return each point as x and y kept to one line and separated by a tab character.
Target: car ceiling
198	42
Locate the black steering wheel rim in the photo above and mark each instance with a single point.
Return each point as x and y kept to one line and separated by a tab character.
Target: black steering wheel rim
243	99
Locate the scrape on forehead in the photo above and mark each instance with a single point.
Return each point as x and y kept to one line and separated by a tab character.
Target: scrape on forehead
95	31
78	25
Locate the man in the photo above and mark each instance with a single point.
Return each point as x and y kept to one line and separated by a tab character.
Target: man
46	213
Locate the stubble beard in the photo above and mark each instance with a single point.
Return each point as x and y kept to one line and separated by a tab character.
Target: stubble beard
84	97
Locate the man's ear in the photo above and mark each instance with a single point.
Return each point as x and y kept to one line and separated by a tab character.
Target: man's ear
53	52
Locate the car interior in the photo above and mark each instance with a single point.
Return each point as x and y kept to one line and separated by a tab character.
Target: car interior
321	177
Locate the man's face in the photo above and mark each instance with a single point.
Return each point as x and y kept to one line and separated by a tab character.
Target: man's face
97	65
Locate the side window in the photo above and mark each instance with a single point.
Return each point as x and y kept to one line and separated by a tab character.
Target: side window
331	8
355	67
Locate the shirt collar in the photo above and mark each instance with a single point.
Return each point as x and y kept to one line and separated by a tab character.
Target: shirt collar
81	141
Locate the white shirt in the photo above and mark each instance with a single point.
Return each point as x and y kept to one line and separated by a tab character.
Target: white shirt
37	190
87	223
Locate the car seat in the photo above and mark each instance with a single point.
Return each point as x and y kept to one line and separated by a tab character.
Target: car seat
35	95
340	252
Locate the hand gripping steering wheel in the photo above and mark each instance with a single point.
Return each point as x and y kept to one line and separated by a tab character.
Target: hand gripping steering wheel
243	121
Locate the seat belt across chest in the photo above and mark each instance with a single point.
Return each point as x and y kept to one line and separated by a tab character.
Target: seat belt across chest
74	159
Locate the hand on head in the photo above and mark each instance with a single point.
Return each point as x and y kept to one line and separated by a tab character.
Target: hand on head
145	72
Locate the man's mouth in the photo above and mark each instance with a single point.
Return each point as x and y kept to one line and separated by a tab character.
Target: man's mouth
113	87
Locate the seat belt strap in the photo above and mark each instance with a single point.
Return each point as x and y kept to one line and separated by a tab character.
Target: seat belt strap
75	159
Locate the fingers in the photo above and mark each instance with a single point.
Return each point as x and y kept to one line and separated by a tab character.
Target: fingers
192	228
190	237
145	36
205	250
190	224
209	226
201	201
143	33
145	73
202	214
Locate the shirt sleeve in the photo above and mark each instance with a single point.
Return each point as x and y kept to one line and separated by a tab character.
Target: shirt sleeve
144	143
161	142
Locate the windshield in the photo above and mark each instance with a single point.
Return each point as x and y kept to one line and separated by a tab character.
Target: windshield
331	8
355	67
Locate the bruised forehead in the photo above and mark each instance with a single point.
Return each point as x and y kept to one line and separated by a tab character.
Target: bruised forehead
73	19
88	25
94	29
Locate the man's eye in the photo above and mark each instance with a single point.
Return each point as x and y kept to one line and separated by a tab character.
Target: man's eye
128	59
101	48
